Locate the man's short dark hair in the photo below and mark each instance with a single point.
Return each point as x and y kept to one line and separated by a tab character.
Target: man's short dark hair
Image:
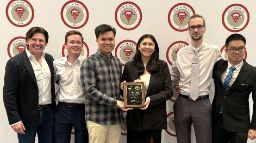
197	16
73	32
234	37
104	28
34	30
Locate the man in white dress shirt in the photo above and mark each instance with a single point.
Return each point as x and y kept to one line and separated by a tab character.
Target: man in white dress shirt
71	98
192	71
28	92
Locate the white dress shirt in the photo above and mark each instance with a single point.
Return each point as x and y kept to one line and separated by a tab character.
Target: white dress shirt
70	84
235	73
181	69
145	77
43	78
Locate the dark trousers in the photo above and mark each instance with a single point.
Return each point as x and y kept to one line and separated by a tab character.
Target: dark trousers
152	136
221	135
68	116
45	129
198	113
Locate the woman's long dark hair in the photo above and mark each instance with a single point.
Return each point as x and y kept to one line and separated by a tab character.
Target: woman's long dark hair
154	62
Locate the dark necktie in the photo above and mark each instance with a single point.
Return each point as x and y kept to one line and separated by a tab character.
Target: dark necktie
228	78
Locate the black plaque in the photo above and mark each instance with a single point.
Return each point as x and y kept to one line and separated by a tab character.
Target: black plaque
134	95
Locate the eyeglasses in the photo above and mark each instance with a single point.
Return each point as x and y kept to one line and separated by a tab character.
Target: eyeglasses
193	27
233	50
75	42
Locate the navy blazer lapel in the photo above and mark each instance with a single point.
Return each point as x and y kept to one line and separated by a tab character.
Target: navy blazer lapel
220	72
243	69
28	65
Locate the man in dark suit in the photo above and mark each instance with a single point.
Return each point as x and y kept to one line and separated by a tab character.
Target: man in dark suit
234	81
28	91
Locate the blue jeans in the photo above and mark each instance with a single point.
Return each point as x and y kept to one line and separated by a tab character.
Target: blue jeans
45	129
70	115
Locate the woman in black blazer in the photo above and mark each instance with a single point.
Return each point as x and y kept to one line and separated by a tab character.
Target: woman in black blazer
144	125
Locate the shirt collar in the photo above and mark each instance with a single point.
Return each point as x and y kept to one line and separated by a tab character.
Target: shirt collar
79	60
106	57
200	47
238	66
30	56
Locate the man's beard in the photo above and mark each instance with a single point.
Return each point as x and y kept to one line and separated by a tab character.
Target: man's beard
196	38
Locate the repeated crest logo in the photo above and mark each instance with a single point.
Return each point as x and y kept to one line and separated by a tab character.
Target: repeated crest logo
128	15
20	13
235	17
74	14
16	45
171	53
225	56
178	16
125	50
170	124
84	53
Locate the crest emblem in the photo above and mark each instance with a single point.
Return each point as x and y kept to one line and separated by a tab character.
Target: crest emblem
20	13
178	16
235	17
170	124
84	52
16	46
74	14
128	15
125	50
171	53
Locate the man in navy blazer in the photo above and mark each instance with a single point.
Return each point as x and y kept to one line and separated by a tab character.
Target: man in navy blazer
234	81
28	91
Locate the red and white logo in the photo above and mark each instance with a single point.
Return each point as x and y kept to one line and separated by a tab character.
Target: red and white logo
235	17
178	16
74	14
171	53
16	45
20	13
125	50
225	56
84	53
128	15
170	124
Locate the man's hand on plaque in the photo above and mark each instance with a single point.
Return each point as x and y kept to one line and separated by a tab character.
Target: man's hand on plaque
120	105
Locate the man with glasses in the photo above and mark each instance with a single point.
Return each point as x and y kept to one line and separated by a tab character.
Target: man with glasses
71	106
234	81
192	72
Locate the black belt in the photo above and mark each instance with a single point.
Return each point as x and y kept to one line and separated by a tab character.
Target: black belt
43	107
199	98
71	104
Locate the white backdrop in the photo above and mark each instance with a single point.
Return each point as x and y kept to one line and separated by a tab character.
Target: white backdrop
165	19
